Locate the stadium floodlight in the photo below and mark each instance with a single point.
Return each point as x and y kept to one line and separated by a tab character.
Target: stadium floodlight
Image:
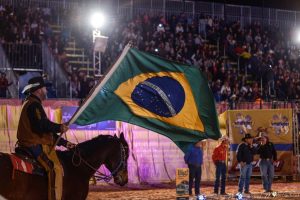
97	20
296	36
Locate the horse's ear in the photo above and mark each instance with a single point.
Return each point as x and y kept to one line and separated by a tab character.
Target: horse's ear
122	136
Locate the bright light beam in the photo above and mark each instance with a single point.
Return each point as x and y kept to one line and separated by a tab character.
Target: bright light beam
297	36
97	20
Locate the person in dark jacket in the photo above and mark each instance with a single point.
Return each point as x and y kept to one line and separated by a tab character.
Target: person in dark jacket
38	134
245	152
194	159
267	154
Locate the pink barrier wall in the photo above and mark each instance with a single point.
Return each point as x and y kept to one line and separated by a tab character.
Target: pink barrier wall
153	157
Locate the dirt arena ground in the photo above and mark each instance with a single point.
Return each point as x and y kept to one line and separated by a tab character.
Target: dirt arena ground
290	190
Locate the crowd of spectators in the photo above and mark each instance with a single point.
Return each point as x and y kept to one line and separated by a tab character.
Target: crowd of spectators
29	25
241	63
22	29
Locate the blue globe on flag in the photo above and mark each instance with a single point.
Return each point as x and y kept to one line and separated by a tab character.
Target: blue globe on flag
163	96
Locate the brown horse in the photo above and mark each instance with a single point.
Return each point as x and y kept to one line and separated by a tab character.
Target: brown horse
79	165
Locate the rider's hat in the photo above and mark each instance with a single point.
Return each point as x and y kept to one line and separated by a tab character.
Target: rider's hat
34	84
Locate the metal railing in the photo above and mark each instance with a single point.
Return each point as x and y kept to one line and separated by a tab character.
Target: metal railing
55	73
292	104
33	58
245	14
23	57
12	91
54	4
196	9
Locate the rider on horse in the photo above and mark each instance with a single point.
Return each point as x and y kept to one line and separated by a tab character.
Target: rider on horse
38	134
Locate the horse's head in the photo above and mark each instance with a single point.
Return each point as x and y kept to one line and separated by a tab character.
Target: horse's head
117	161
105	149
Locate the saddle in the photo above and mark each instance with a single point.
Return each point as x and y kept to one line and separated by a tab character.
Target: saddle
22	160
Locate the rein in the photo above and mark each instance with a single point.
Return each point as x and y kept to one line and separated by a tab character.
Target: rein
99	175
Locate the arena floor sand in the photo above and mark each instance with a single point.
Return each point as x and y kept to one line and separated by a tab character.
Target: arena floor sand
167	191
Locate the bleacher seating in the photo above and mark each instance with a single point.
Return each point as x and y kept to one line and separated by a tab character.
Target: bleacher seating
242	62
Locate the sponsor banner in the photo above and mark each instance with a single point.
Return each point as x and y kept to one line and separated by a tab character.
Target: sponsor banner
68	111
182	183
276	124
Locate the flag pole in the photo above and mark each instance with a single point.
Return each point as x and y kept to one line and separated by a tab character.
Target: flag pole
96	90
99	86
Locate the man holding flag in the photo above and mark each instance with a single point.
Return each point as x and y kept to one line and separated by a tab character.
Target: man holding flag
37	134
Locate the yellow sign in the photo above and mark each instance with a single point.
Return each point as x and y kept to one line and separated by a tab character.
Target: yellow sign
275	123
182	183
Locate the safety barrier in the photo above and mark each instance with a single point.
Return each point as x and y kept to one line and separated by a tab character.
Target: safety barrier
23	57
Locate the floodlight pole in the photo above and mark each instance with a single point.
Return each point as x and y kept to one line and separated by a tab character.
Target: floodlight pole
96	54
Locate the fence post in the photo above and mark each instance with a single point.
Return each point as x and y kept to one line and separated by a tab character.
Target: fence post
295	18
118	7
131	9
223	11
241	17
238	64
260	103
164	7
269	16
18	89
213	9
193	10
70	88
250	15
276	17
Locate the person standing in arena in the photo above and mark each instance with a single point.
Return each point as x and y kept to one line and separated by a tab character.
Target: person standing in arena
38	134
245	152
268	155
194	159
219	159
3	85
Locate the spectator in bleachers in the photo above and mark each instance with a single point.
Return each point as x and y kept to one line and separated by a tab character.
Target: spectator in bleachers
4	84
211	44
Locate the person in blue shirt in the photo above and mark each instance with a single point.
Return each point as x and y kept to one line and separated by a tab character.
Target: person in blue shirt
194	159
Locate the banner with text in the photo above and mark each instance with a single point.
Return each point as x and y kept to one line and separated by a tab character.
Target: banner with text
277	124
68	111
182	183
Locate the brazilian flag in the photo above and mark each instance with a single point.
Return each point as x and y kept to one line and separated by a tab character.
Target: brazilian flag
166	97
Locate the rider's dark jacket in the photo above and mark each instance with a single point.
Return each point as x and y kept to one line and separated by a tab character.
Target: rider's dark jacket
34	126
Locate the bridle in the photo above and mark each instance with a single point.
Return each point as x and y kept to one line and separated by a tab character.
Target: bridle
99	175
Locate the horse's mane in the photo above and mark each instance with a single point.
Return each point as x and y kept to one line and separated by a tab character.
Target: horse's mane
90	145
99	140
